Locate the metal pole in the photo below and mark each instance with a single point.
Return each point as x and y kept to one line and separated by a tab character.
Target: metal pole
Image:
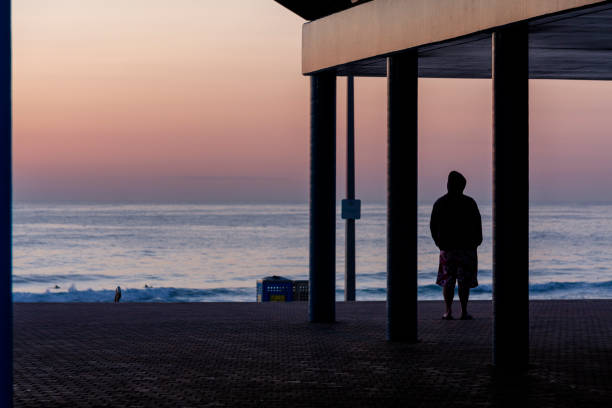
349	272
402	82
322	298
511	198
6	305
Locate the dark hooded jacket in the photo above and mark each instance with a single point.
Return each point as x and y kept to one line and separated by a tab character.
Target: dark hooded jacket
455	220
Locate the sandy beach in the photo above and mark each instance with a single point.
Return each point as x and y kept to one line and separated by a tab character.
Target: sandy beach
246	354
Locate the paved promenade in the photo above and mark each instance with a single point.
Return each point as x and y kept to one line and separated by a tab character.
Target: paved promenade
267	355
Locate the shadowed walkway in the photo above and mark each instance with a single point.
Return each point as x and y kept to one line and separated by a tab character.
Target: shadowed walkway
245	354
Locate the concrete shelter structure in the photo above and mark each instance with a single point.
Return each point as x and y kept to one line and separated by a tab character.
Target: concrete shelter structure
509	41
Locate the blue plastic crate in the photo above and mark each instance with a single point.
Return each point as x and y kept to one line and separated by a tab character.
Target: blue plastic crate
274	289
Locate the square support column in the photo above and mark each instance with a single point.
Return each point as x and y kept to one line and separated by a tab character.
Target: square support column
511	198
402	178
6	305
322	298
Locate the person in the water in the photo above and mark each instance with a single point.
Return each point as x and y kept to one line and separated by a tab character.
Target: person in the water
117	294
456	228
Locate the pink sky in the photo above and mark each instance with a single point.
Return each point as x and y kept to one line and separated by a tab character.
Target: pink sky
191	100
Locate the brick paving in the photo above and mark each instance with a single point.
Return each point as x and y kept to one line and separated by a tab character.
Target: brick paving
268	355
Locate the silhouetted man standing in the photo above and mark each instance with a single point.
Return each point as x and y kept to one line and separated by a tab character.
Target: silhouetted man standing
456	228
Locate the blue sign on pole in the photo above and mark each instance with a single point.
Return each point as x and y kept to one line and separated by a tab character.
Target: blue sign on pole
351	209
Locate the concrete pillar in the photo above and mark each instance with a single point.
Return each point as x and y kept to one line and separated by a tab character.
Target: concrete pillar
349	271
511	198
402	82
322	299
6	305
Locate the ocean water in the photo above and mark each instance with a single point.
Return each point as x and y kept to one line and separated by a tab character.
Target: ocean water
195	253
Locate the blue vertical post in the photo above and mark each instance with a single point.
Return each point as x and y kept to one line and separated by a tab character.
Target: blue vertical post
402	88
349	256
6	304
511	198
322	274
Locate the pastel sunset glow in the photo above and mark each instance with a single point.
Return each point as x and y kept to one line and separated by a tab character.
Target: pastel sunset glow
197	101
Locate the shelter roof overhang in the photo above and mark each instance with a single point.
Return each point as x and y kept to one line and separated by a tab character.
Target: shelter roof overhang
569	39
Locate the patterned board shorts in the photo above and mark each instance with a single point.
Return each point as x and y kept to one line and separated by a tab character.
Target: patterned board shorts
458	265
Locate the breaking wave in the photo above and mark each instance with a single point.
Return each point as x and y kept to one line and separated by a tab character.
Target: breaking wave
550	290
140	295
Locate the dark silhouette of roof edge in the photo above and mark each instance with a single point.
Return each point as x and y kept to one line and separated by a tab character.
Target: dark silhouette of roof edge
314	9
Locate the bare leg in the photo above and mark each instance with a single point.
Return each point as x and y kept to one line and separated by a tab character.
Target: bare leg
464	295
449	294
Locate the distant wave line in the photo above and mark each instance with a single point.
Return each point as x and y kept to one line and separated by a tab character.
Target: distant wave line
171	294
